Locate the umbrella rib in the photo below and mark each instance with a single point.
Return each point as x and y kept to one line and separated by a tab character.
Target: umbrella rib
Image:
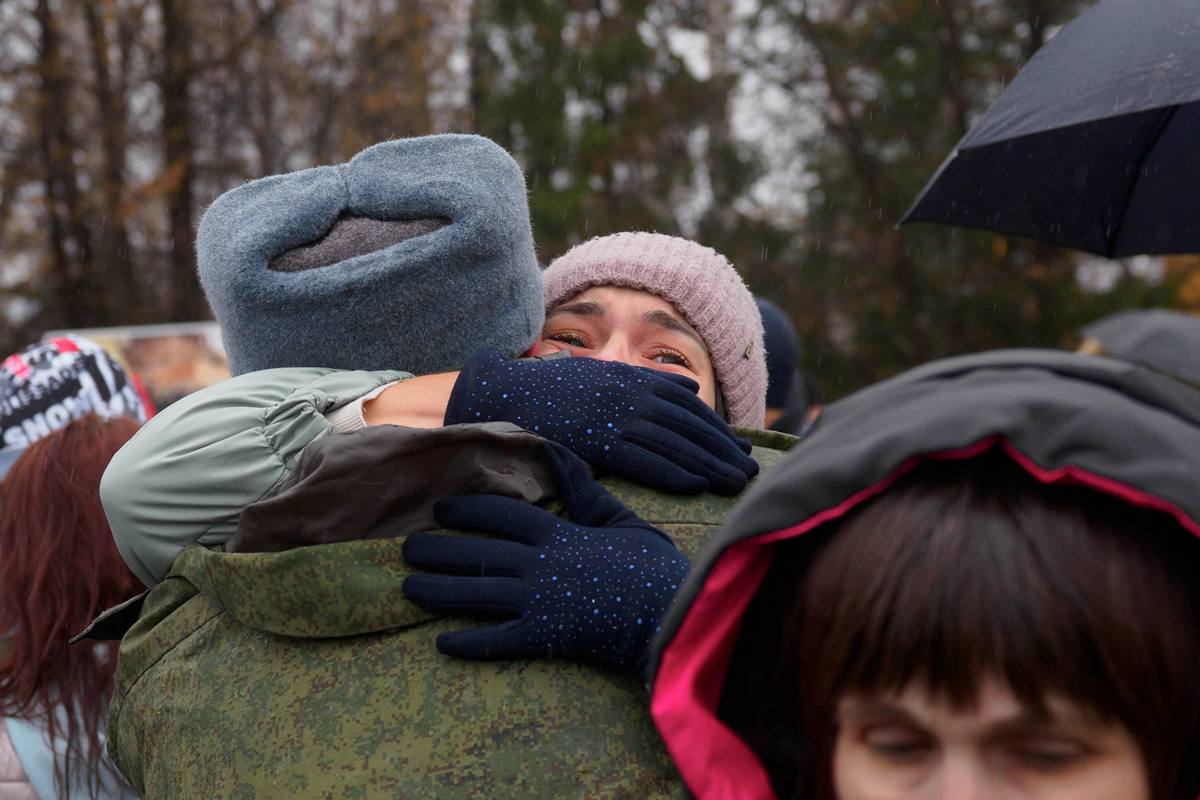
1110	245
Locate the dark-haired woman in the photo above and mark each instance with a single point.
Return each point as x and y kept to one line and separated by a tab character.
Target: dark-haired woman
59	567
978	579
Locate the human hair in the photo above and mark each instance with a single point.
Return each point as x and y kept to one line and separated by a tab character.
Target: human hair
961	571
59	567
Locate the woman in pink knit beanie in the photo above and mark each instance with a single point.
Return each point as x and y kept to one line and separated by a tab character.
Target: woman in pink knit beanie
666	303
643	299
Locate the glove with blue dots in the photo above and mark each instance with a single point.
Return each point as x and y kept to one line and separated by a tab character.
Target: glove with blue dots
642	424
590	588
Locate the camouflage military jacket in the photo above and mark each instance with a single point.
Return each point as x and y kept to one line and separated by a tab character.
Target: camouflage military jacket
307	674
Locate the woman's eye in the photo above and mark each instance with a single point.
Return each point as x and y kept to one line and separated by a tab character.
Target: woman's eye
1049	756
572	338
897	743
667	356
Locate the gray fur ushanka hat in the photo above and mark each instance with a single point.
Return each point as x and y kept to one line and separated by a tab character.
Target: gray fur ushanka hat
410	256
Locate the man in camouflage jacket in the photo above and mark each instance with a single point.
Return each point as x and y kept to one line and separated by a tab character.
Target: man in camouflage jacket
306	672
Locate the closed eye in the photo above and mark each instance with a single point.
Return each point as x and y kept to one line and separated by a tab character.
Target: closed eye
1048	756
897	742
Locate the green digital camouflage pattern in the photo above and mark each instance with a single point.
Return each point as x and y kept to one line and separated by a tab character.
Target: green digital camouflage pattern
307	674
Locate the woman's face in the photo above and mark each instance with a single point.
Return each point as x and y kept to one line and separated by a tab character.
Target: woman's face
633	327
915	747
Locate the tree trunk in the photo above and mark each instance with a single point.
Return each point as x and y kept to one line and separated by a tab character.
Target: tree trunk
721	218
954	69
184	297
116	256
70	240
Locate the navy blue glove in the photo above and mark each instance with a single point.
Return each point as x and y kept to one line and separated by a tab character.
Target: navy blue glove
591	589
642	424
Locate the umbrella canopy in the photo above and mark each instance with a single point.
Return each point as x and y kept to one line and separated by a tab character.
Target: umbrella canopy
1165	341
1094	145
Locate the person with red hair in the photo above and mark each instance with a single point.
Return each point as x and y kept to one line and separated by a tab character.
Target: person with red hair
52	383
59	568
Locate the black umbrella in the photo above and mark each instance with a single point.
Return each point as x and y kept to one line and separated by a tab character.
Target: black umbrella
1165	341
1095	144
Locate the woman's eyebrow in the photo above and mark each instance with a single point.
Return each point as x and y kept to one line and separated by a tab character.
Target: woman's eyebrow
664	320
585	308
866	710
1032	721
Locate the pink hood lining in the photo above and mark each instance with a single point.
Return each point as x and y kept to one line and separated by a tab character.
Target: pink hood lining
714	763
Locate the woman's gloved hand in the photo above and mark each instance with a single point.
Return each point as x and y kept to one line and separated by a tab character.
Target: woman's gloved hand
645	425
590	588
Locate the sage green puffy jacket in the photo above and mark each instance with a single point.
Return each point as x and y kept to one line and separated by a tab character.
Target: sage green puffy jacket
185	477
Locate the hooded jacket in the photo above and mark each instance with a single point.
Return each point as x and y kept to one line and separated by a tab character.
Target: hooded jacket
1103	424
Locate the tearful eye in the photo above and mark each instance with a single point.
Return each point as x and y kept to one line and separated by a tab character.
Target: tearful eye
668	356
572	338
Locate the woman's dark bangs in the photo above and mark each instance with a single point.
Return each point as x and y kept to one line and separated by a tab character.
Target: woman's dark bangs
950	578
951	616
966	571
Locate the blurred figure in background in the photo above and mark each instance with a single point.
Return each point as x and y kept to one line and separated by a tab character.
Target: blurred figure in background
48	384
1164	341
793	399
59	568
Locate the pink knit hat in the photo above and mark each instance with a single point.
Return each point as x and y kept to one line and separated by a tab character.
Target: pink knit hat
700	283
